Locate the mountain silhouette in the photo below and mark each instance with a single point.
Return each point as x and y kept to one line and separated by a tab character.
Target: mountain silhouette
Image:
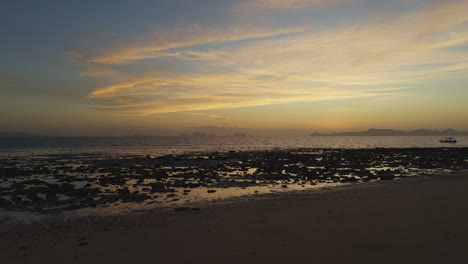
392	132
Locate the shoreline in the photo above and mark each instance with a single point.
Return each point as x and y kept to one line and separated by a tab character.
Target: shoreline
72	217
403	221
54	184
91	214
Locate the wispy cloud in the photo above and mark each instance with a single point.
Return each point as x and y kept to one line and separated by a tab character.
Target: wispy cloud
289	4
166	42
135	99
205	115
378	57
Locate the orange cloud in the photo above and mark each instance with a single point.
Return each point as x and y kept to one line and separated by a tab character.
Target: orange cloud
377	58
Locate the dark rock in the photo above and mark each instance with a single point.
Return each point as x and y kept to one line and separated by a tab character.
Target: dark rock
180	209
387	177
51	196
4	202
16	198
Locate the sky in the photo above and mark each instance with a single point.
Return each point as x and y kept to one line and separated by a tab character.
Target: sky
159	67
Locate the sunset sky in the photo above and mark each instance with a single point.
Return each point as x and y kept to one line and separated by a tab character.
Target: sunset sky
119	67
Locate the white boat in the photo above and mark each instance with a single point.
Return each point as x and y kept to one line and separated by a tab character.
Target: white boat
448	140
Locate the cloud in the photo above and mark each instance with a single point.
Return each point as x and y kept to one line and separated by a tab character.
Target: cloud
204	114
166	42
289	4
137	100
242	68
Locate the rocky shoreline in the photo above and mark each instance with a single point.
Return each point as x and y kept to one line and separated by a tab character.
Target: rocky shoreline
50	184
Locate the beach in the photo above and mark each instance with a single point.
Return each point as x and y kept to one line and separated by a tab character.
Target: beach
234	131
413	220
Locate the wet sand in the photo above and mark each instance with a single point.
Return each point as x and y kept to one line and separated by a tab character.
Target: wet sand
418	220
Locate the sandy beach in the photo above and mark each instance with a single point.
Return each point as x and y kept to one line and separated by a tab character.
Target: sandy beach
418	220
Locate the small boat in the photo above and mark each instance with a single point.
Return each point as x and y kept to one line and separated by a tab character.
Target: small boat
448	140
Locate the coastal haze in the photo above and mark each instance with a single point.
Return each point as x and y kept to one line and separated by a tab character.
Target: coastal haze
234	131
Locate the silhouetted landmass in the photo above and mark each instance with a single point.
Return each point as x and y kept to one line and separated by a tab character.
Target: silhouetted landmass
237	131
392	132
19	135
198	135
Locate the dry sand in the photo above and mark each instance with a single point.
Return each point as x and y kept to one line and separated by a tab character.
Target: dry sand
420	220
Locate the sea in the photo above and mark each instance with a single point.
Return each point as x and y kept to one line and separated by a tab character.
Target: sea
175	145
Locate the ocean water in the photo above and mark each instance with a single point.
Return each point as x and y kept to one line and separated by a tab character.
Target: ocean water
163	145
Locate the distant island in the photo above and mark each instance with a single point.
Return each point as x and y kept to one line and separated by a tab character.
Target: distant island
204	135
208	132
19	135
392	132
